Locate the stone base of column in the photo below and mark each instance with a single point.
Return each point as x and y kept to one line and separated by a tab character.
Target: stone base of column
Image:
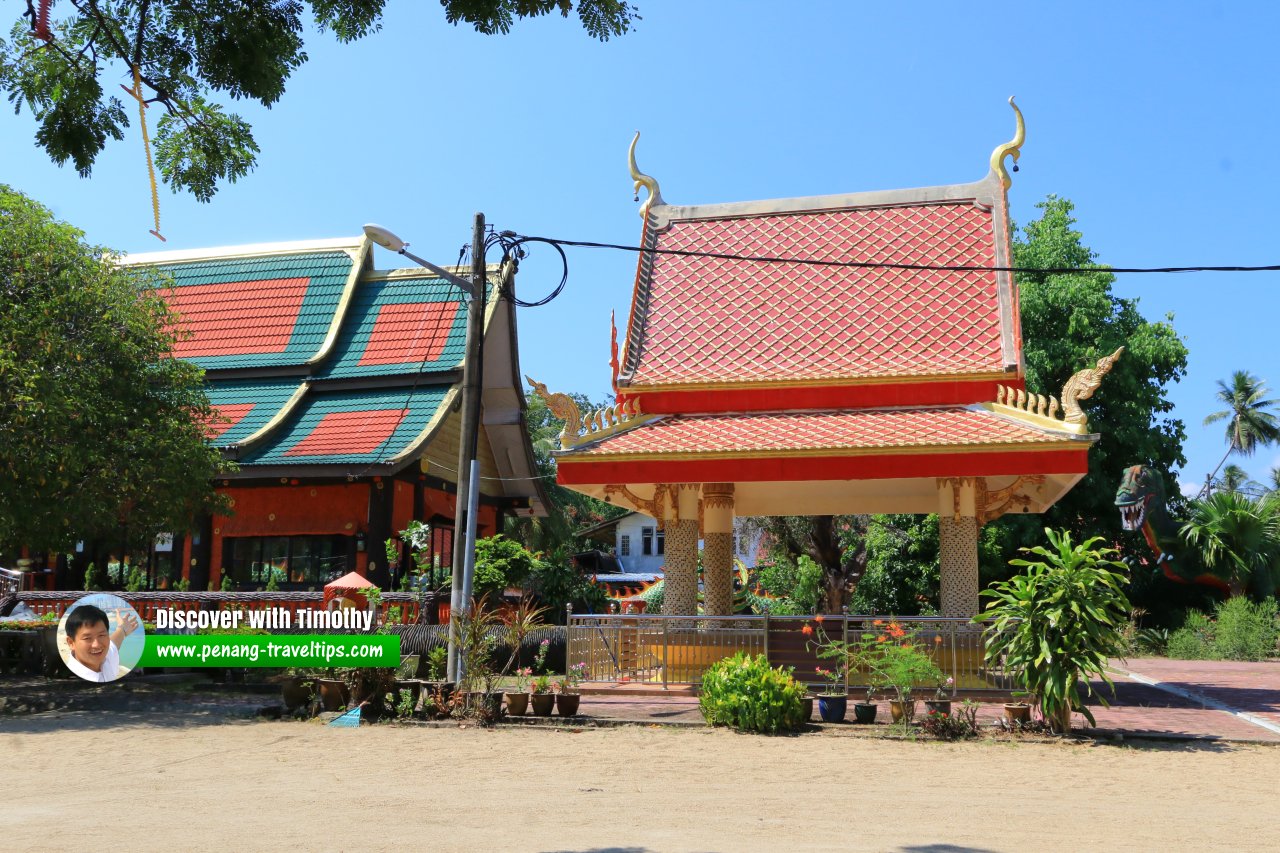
680	590
958	561
717	574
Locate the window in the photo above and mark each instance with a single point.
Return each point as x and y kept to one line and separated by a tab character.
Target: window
624	545
646	541
309	560
662	542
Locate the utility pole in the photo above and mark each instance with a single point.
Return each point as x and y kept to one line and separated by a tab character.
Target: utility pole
468	444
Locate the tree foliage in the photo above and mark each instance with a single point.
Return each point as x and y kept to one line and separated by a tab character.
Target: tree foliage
191	53
556	536
1069	321
102	431
1237	538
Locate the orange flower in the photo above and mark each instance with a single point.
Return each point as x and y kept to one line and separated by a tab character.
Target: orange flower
938	640
817	618
882	638
807	630
895	630
878	622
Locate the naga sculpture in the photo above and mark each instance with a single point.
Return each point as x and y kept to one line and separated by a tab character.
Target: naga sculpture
1141	501
563	407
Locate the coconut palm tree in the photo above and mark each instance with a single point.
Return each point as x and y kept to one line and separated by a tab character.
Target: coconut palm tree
1251	423
1274	484
1236	538
1234	479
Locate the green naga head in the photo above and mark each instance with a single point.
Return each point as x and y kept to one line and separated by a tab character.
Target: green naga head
1141	492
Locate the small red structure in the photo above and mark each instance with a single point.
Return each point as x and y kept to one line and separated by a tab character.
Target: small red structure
349	588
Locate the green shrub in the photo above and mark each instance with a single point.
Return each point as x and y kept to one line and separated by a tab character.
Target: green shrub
1239	630
1057	625
1194	640
1245	630
746	693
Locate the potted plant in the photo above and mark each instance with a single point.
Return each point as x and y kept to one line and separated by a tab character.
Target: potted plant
903	664
1071	601
541	697
297	690
335	695
567	696
1017	714
941	701
833	700
518	702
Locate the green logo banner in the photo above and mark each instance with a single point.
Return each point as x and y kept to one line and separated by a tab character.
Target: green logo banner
314	650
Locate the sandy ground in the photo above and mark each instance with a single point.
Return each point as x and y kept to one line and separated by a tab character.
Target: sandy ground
156	782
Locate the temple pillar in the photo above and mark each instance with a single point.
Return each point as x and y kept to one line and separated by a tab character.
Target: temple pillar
680	591
958	548
717	549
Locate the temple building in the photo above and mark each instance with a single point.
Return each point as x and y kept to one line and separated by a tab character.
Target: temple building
841	354
338	386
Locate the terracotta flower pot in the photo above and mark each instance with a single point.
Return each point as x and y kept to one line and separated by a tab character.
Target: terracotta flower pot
543	704
567	704
517	704
1017	713
902	710
334	693
297	692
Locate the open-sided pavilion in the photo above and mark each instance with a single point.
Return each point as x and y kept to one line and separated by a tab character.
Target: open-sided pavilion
841	354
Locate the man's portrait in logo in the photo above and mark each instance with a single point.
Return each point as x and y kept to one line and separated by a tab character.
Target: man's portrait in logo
100	637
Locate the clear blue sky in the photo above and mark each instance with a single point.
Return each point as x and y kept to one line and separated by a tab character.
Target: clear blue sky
1159	120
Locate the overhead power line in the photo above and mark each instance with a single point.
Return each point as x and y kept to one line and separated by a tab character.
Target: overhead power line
558	243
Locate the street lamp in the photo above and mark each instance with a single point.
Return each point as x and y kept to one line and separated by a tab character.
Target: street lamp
468	504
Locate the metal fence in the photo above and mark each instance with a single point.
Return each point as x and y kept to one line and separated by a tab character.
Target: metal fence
677	650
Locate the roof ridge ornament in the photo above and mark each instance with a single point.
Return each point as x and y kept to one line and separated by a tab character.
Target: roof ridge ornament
1012	147
1082	385
642	180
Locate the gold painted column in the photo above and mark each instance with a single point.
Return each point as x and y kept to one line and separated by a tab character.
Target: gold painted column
680	592
958	547
717	548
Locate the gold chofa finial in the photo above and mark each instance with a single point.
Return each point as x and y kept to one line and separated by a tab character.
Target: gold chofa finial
642	180
1013	146
1082	385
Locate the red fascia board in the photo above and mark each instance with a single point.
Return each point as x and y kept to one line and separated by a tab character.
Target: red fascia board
821	397
798	468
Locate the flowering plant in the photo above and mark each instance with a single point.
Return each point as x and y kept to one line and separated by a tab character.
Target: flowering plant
574	676
903	662
836	687
523	676
540	684
945	688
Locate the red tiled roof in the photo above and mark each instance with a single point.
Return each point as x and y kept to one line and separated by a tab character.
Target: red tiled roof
349	432
895	430
234	413
409	332
701	320
233	318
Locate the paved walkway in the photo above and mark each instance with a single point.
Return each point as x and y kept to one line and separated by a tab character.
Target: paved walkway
1138	708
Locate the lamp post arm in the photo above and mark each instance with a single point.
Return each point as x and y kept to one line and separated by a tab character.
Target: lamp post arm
466	286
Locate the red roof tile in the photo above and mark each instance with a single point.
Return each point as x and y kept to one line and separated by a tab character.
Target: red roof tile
349	432
409	332
234	318
234	412
701	320
791	432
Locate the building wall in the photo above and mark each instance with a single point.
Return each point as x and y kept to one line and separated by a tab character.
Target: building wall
633	526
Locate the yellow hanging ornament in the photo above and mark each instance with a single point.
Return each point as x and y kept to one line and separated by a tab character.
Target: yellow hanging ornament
136	94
